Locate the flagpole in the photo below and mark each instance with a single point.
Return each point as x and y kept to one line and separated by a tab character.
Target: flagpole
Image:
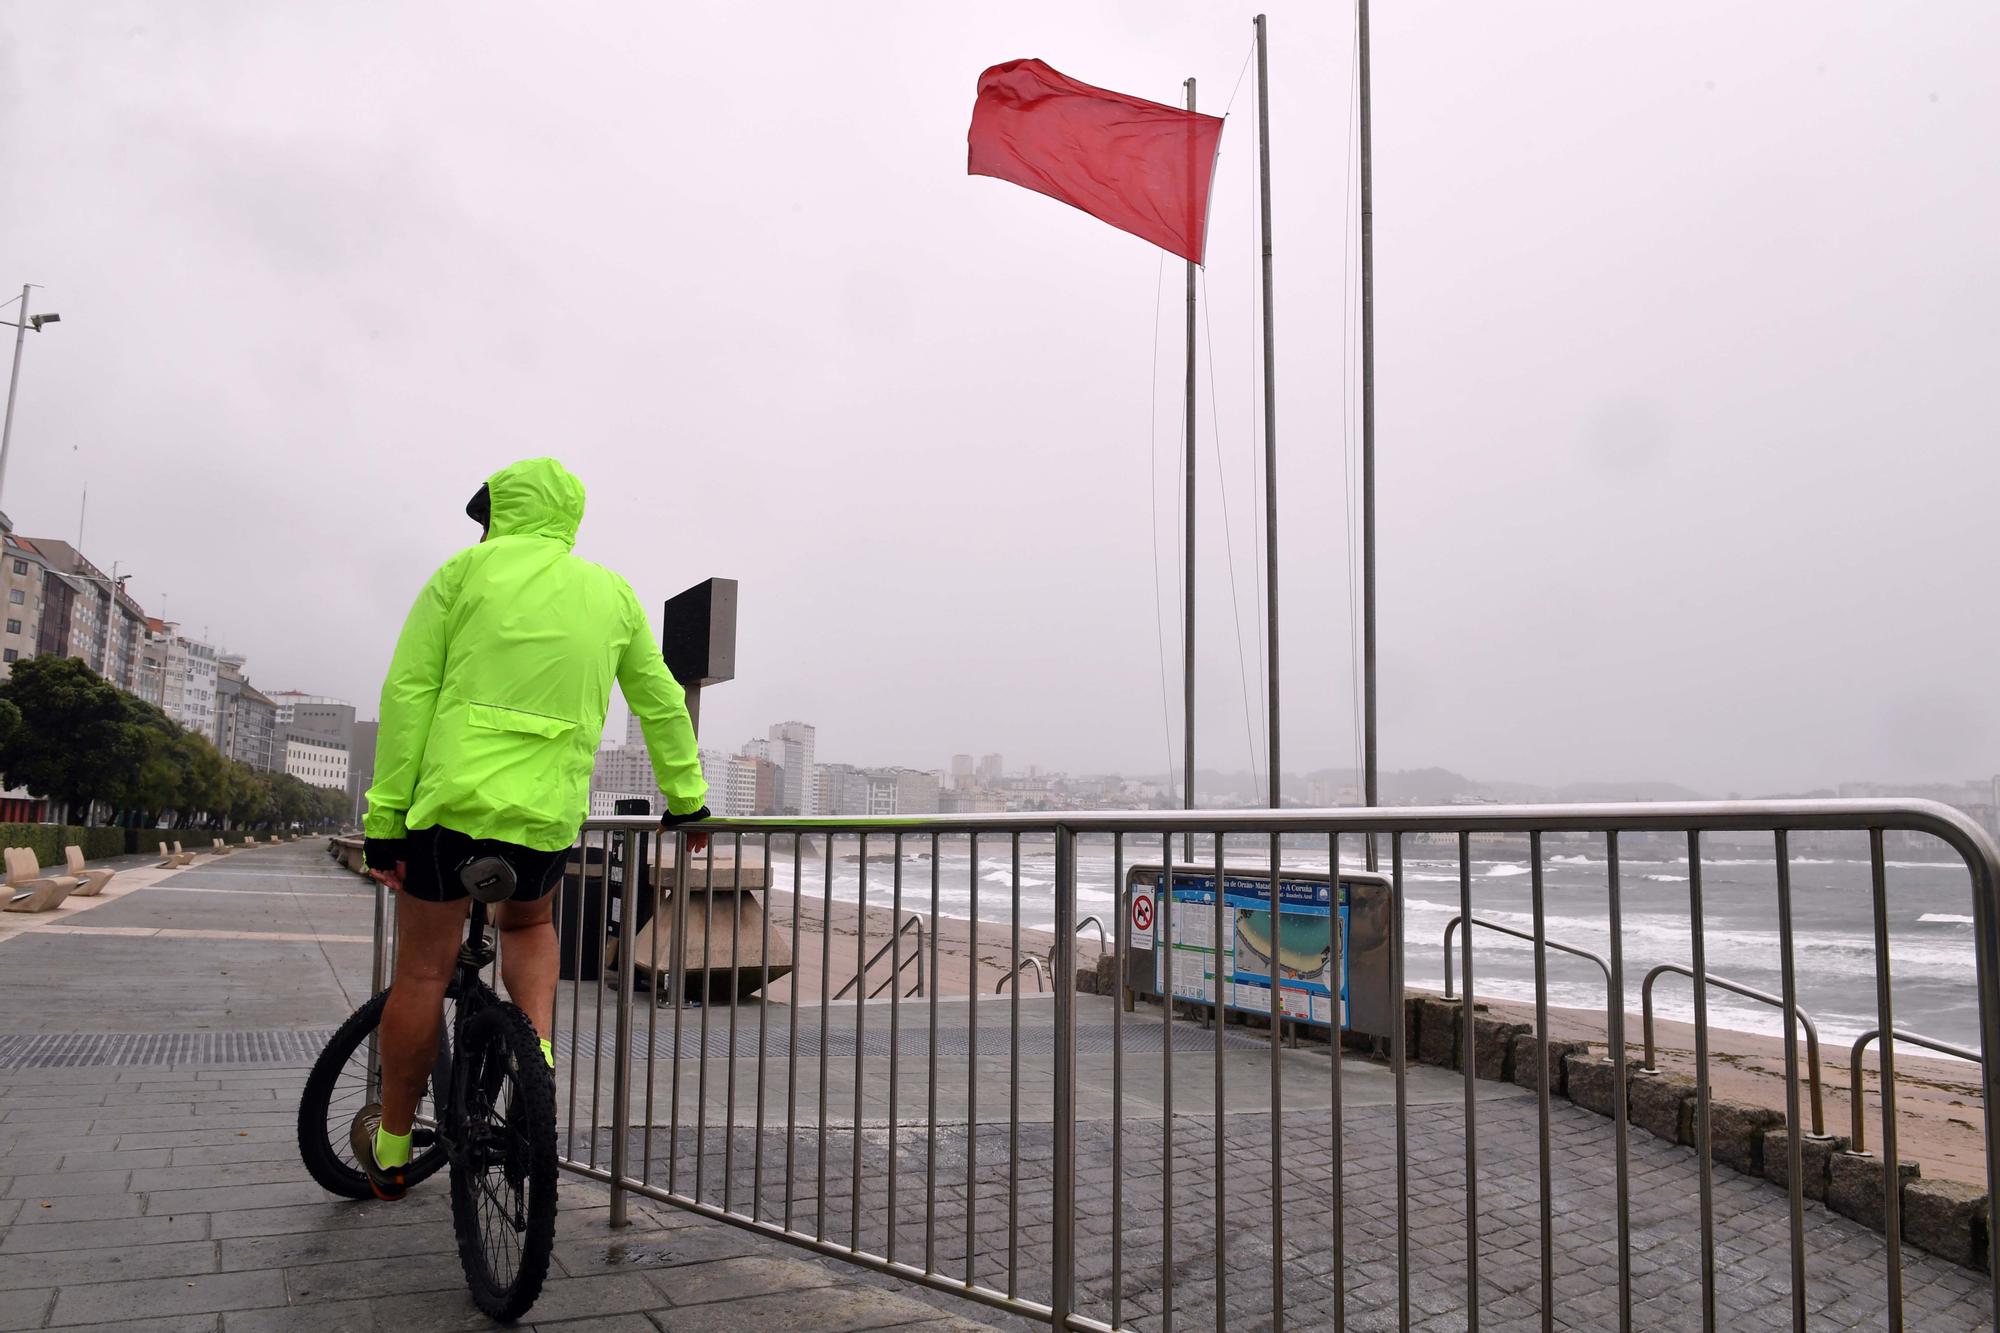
1270	419
1370	792
1187	569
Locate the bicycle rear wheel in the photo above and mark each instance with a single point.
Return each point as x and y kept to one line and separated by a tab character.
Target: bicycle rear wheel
335	1092
503	1167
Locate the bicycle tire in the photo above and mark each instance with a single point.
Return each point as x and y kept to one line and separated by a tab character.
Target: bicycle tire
323	1143
500	1076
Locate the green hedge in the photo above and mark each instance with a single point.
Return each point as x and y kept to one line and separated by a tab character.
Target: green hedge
47	841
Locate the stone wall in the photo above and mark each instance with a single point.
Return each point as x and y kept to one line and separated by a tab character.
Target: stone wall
1946	1218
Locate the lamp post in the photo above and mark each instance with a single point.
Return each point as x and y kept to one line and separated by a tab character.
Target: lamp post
26	322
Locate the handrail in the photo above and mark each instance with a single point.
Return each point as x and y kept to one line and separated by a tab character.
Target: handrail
1103	944
1041	974
1856	1143
895	977
1748	993
1451	926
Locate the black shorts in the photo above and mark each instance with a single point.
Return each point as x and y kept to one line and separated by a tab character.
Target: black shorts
433	856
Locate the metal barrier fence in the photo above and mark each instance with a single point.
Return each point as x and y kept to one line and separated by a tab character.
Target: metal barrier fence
1082	1167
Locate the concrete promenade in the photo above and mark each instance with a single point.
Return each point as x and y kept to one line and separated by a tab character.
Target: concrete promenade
149	1177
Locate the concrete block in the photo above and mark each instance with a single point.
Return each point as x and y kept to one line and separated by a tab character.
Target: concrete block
1413	1024
1493	1047
1947	1218
1736	1134
1662	1105
1589	1081
1814	1154
1442	1026
1527	1050
1854	1186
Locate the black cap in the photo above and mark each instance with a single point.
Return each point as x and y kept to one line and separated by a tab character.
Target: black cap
480	507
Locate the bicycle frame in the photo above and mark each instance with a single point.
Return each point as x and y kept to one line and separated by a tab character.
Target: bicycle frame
475	955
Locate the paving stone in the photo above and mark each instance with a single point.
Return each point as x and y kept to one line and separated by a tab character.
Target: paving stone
359	1245
103	1302
570	1298
328	1317
219	1199
24	1308
135	1231
112	1160
620	1323
730	1279
187	1323
105	1264
423	1205
824	1310
59	1185
162	1178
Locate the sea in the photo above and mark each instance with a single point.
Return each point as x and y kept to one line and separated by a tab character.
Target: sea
1929	917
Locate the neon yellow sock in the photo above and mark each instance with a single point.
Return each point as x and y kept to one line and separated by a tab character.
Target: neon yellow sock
549	1052
391	1149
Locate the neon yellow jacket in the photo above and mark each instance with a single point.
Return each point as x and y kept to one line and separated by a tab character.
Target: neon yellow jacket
496	696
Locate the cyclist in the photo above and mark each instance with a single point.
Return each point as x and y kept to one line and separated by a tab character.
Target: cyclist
491	715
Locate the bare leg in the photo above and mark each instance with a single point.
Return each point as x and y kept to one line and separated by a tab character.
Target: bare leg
528	959
426	954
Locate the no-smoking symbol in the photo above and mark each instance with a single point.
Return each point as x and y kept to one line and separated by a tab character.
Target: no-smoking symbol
1142	911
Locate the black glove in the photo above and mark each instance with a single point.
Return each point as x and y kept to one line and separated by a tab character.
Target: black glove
383	853
670	822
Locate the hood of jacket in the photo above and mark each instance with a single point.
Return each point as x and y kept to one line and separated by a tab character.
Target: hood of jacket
536	497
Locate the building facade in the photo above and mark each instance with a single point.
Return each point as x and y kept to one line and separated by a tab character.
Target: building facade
23	579
316	760
187	670
245	718
755	787
791	748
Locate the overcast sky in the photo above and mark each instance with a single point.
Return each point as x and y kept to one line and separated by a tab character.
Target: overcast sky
1688	330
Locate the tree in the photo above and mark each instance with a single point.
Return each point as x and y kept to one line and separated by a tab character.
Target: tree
72	743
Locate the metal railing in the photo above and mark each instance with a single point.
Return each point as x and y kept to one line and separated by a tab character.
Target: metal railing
1857	1137
913	923
1749	993
1014	977
1024	1157
1611	999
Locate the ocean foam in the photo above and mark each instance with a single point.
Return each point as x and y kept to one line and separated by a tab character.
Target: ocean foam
1946	919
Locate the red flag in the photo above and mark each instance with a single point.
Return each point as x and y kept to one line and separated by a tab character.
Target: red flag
1138	165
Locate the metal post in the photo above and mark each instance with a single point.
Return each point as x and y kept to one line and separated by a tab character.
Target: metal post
21	336
1270	435
621	1061
1368	738
379	977
1062	1280
1187	558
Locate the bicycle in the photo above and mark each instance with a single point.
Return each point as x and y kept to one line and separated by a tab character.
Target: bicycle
489	1114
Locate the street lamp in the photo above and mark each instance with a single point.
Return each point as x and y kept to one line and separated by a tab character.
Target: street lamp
26	322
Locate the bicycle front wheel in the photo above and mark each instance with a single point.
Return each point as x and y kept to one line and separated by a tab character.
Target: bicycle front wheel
503	1165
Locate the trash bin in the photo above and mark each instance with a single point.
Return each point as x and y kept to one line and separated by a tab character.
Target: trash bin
592	900
580	914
